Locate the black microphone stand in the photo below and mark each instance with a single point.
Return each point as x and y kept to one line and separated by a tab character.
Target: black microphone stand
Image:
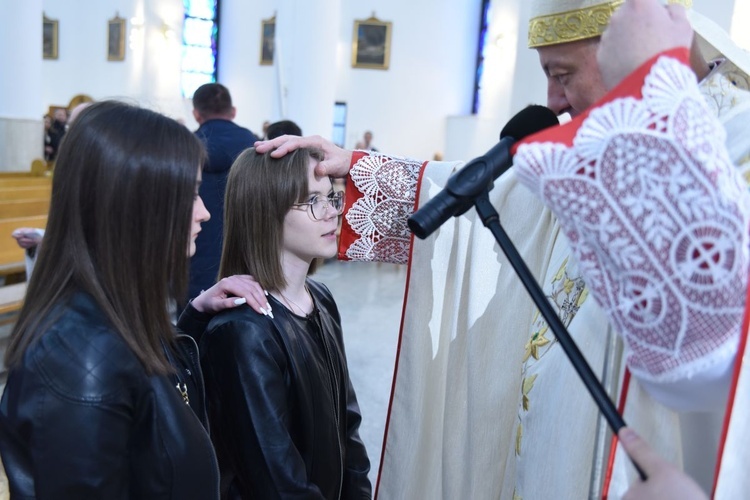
491	220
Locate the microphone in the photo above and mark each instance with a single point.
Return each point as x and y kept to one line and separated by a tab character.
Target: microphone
479	174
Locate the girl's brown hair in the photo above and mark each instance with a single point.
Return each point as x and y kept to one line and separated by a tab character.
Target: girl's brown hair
260	192
118	227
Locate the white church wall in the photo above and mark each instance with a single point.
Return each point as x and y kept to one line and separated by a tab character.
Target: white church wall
254	88
431	73
149	74
512	79
20	123
419	106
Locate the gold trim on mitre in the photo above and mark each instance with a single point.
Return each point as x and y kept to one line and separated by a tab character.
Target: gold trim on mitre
573	24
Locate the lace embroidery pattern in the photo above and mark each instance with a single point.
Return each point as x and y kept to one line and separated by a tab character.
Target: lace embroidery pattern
389	189
657	217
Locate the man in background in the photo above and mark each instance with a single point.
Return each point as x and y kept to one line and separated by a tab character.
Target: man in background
56	133
224	141
282	127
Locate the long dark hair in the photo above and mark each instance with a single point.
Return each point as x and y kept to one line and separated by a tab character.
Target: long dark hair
118	227
260	192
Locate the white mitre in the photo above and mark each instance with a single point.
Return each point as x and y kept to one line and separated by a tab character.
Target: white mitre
560	21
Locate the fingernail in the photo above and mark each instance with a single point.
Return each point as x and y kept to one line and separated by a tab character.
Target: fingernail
268	306
270	314
265	313
266	292
240	301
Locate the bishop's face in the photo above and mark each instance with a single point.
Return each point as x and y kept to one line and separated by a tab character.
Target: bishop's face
573	79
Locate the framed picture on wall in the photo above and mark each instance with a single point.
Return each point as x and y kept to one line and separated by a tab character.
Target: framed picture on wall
371	44
50	36
267	35
116	39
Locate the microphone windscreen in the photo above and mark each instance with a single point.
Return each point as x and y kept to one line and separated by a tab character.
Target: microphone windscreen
530	120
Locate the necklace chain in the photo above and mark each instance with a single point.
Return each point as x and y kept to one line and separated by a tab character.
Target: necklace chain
291	303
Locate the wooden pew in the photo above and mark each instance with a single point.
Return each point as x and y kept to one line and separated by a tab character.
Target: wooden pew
11	299
23	208
23	181
25	193
24	202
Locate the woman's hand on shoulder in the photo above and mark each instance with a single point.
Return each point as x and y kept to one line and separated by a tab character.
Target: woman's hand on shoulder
233	291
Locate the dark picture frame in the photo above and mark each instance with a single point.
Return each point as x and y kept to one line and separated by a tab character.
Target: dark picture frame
371	44
50	37
267	38
116	39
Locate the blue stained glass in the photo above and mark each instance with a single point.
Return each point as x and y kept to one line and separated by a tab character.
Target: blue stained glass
205	9
198	32
200	59
482	45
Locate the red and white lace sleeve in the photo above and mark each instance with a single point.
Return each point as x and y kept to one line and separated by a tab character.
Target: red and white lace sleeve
656	214
380	196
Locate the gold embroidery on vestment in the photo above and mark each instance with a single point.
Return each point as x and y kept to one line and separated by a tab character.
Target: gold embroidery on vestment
568	294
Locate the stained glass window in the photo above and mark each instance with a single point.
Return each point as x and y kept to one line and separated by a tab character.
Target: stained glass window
484	22
200	39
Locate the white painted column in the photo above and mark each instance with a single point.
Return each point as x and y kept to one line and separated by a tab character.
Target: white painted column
21	139
309	70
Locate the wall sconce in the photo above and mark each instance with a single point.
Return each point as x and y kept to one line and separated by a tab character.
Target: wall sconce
167	31
136	32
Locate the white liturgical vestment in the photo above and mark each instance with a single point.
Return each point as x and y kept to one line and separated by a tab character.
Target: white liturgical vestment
485	404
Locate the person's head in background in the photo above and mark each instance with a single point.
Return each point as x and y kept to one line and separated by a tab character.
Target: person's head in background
122	223
278	217
366	142
61	116
212	101
47	122
283	127
265	128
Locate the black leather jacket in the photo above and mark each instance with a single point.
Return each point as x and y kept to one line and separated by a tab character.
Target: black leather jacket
284	416
81	419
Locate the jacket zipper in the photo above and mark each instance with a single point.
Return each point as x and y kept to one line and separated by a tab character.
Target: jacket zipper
335	383
197	366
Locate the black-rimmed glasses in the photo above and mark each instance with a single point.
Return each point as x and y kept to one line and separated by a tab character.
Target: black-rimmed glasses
319	204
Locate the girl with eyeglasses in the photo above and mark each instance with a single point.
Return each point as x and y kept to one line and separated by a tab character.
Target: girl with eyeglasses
285	418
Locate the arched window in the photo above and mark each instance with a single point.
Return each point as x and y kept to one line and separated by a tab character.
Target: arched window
200	44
